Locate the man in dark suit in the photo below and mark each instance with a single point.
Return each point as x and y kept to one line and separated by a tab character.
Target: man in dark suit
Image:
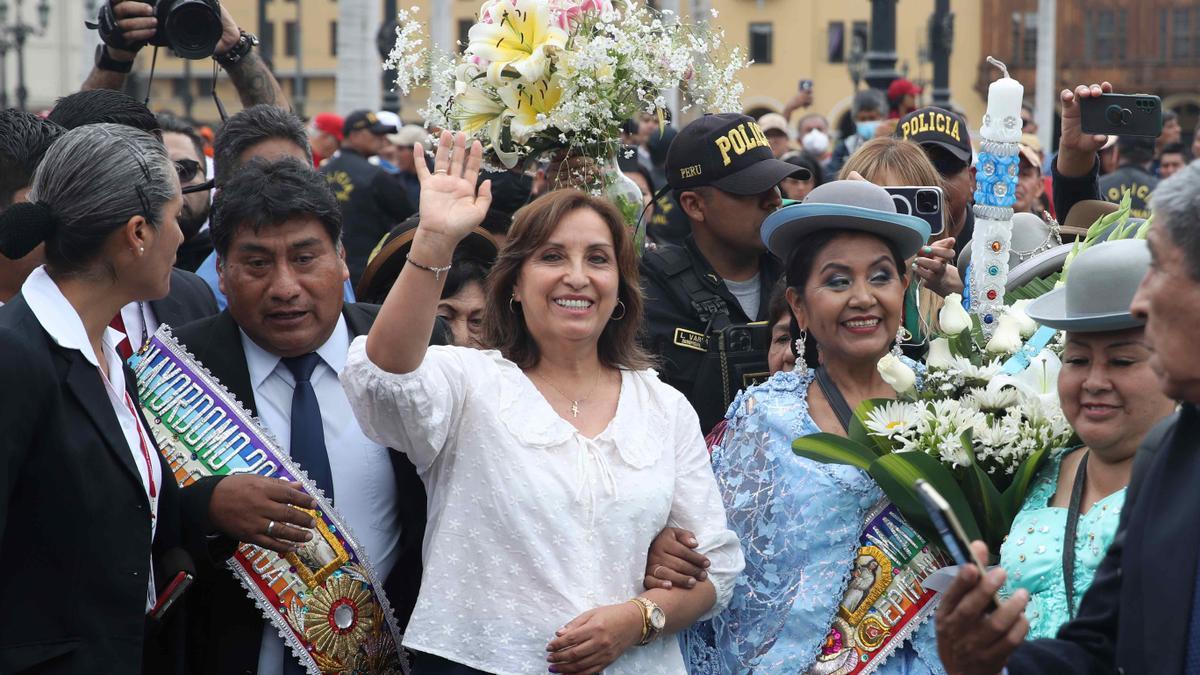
1142	612
276	228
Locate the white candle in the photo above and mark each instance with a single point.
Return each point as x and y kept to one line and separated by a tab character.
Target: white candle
1003	121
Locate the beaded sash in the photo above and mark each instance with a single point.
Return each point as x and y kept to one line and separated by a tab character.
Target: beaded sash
325	599
884	601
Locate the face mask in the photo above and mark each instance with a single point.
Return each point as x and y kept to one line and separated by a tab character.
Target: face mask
816	142
867	129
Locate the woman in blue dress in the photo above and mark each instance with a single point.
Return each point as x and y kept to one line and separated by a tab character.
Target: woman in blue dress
1111	396
832	579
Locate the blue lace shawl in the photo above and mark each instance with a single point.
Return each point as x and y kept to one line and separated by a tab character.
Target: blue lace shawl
799	522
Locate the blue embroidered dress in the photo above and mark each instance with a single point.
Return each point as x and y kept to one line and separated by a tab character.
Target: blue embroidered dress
1033	551
800	523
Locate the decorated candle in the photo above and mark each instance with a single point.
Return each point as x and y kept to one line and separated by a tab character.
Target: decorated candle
996	186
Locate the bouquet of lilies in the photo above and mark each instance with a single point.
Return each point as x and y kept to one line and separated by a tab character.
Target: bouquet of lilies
540	75
964	422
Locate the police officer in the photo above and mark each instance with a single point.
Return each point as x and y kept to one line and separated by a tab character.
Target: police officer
702	294
944	137
372	200
1136	155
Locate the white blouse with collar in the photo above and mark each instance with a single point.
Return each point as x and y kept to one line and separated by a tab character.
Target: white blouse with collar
530	522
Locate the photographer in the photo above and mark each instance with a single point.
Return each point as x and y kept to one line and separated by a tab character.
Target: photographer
135	26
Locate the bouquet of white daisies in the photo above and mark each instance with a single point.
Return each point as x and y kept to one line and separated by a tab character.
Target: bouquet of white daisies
961	422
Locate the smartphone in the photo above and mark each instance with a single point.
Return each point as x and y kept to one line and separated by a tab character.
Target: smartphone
949	529
926	202
1121	115
806	85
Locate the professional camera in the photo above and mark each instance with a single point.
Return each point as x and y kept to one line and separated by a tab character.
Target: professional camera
190	28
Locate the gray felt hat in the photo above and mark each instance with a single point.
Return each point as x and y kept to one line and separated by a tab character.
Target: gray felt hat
1100	286
844	205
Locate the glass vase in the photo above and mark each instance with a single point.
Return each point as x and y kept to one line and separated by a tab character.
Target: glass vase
597	172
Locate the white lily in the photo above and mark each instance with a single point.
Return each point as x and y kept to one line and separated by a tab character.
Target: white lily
939	354
896	373
530	105
521	38
952	318
1007	338
1027	325
1039	381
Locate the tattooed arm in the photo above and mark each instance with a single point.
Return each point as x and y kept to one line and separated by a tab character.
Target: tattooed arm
255	83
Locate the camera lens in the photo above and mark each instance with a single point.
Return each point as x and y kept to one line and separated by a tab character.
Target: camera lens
927	201
193	28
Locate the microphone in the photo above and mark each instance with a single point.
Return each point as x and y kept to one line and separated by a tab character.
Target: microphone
183	570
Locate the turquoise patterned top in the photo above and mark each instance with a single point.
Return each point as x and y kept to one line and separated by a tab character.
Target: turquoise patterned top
1032	552
799	522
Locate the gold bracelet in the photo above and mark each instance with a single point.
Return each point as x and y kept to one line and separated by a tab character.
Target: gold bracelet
645	621
437	271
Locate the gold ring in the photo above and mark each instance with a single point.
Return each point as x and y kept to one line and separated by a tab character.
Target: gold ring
655	572
440	171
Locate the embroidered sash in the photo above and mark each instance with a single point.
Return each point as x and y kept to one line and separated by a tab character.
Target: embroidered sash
325	599
884	601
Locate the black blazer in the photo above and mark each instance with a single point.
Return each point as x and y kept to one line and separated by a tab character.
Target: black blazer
224	626
1134	617
75	539
190	300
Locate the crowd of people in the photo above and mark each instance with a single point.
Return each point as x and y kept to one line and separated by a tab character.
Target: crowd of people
559	452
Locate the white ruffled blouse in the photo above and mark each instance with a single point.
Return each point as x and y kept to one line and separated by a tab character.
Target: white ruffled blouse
530	522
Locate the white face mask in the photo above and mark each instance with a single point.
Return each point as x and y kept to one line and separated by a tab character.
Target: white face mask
816	142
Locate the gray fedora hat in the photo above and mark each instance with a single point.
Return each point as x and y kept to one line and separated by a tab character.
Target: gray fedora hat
844	205
1041	265
1100	286
1030	236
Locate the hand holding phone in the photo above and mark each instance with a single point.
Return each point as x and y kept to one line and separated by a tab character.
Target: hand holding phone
954	539
1121	115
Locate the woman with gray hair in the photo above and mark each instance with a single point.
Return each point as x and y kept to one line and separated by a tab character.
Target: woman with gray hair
87	503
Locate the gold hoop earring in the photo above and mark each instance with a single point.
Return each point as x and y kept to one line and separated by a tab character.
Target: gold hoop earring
511	304
614	317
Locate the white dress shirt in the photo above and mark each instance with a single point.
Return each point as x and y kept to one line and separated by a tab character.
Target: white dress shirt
140	322
531	523
364	485
59	318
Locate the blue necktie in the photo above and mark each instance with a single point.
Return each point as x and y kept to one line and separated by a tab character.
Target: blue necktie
308	434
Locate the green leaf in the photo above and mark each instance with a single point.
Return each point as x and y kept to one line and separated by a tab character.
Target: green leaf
896	473
989	506
858	429
1023	478
834	449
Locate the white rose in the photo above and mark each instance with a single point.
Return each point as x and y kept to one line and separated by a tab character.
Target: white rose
896	373
1007	338
939	354
1027	325
953	318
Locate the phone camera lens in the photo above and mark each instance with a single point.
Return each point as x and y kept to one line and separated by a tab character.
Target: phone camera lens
927	201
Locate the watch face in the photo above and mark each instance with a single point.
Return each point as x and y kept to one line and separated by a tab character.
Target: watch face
658	619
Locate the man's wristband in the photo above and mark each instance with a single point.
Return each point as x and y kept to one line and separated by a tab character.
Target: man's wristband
238	51
106	62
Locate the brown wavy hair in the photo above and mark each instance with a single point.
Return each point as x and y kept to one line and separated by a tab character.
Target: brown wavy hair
504	326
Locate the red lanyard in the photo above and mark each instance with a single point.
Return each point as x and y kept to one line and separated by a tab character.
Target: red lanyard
145	450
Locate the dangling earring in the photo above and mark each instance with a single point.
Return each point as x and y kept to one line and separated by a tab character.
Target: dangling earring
801	367
614	317
902	336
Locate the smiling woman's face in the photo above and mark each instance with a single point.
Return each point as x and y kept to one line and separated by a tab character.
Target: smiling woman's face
1108	391
568	286
853	299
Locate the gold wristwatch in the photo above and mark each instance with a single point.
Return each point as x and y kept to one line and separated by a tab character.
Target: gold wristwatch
654	619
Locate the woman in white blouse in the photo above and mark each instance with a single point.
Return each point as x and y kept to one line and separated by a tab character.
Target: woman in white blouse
551	461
